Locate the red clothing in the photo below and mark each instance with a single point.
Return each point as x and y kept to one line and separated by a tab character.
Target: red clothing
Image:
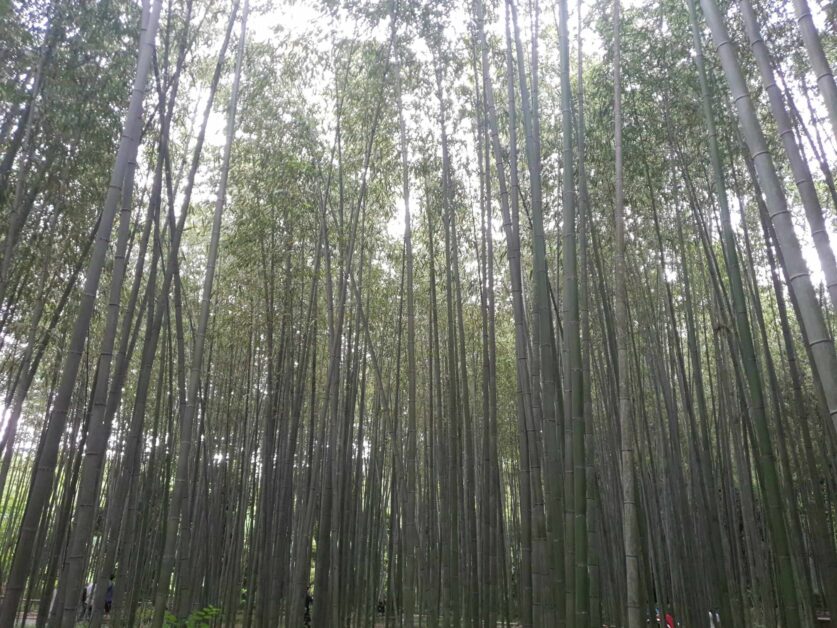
670	621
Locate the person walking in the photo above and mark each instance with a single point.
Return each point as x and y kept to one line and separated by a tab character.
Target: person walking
109	595
309	600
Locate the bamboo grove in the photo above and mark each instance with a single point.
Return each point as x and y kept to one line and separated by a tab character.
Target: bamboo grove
418	313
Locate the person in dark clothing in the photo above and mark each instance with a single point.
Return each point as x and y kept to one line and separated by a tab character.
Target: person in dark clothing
309	600
83	603
109	595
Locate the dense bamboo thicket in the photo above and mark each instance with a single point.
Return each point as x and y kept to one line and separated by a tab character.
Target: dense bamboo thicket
418	313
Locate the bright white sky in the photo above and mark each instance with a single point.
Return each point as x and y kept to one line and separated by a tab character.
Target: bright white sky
272	19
